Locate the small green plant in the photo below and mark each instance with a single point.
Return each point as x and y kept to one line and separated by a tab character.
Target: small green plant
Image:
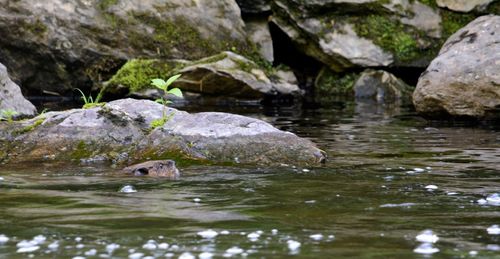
89	102
8	115
163	86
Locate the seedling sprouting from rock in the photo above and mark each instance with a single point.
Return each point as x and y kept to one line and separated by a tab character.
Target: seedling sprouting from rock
8	115
163	86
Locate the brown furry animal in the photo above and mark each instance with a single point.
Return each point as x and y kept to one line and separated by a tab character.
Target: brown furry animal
157	168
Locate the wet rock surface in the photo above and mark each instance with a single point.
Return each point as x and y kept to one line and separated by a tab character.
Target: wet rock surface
120	132
11	98
156	168
464	80
463	5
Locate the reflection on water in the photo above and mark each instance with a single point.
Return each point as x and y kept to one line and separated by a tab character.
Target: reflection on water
394	186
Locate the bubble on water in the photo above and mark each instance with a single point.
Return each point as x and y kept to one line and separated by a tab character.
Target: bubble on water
28	249
196	200
112	247
493	199
388	178
91	252
174	248
150	245
1	178
205	255
3	239
80	246
293	246
431	187
316	237
187	255
428	168
169	255
331	237
452	193
78	257
26	243
128	189
136	256
148	257
427	236
78	239
493	230
254	236
163	246
425	248
473	253
224	232
233	251
418	170
306	170
208	234
310	201
54	245
274	231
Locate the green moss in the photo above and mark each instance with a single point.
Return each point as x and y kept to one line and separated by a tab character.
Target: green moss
31	127
452	22
136	74
330	85
81	151
105	4
431	3
389	34
37	27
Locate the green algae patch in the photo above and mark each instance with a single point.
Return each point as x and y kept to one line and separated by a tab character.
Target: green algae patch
81	151
30	127
452	22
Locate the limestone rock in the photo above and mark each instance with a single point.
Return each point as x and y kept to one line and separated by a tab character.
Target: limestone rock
120	131
463	5
258	33
464	80
60	44
11	98
382	87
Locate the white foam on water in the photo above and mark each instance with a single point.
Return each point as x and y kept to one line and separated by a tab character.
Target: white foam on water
40	239
1	178
427	236
205	255
78	239
112	247
54	245
91	252
392	205
169	255
493	199
148	257
196	200
3	239
136	256
473	253
224	232
431	187
493	247
254	236
306	170
418	170
128	189
80	246
187	255
150	245
26	243
452	193
163	246
293	245
493	230
482	201
208	234
426	248
78	257
274	231
28	249
310	202
316	237
234	250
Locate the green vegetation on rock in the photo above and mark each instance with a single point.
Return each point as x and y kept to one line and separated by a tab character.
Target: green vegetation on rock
31	127
389	34
330	85
452	22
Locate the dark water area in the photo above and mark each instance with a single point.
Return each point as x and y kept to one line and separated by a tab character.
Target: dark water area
390	176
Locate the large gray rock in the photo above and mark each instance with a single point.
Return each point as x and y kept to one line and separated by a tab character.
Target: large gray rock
463	5
120	131
382	87
464	80
340	34
56	45
258	32
11	98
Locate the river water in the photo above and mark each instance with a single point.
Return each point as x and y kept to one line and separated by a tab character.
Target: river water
394	186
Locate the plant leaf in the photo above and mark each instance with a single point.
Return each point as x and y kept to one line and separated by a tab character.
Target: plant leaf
172	79
84	98
159	83
175	91
160	101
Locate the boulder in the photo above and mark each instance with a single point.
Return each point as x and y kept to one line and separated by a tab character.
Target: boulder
258	32
225	74
57	44
341	35
463	5
382	87
464	79
120	131
11	99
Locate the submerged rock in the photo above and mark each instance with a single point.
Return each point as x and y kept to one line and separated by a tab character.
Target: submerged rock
120	131
59	44
11	98
464	80
382	87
